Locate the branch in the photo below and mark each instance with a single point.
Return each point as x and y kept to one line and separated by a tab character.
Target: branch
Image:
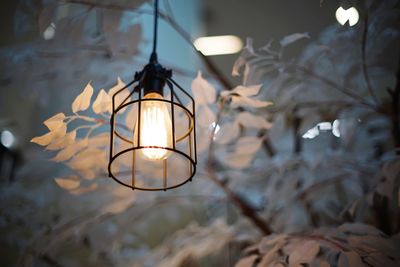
50	261
267	146
395	94
363	59
98	4
336	86
317	186
303	195
244	207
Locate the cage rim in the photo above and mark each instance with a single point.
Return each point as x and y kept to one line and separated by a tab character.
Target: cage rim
189	179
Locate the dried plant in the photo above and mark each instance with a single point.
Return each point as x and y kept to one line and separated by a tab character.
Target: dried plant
305	151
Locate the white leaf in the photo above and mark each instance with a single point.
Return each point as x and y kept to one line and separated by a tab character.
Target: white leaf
63	141
359	229
293	38
203	139
43	140
269	246
55	122
203	91
246	262
249	102
238	161
100	140
241	61
102	103
248	145
120	84
83	190
270	241
70	150
247	52
60	131
88	174
349	259
88	158
228	132
305	252
247	90
124	198
249	120
206	116
245	149
82	101
121	96
68	183
55	134
268	258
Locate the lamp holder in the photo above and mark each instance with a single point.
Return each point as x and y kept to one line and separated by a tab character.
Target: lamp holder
153	77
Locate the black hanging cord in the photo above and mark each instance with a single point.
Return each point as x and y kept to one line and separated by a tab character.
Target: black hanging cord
153	57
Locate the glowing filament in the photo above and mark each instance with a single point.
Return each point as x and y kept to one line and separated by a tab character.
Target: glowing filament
155	128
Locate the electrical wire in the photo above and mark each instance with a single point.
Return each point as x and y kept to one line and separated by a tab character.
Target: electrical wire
155	26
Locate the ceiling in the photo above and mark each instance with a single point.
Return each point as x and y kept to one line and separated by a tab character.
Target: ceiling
264	20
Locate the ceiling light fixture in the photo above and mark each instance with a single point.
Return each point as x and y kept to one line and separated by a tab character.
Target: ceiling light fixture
155	146
347	15
218	45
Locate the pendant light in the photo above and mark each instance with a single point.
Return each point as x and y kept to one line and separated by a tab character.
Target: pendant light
153	133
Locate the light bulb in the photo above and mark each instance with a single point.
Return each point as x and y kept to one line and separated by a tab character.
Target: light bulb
155	128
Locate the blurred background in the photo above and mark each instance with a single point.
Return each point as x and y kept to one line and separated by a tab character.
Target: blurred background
327	155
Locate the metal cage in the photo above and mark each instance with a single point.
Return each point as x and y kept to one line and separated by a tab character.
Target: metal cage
126	166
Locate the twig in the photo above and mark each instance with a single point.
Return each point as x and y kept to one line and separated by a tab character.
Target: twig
297	144
315	187
169	9
363	60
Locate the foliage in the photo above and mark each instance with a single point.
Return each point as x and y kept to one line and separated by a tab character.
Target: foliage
347	245
332	200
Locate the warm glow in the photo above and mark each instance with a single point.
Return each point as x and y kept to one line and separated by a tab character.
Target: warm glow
218	45
344	15
155	128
